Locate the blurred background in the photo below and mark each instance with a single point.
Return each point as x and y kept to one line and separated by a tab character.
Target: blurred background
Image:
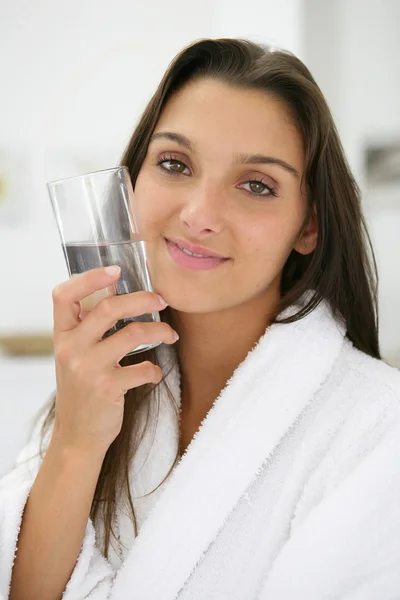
75	78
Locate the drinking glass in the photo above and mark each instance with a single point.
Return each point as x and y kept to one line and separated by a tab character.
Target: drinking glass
95	215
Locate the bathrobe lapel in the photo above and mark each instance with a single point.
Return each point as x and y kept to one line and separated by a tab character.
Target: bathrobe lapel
261	401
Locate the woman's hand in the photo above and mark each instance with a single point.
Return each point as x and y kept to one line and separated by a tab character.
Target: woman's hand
90	382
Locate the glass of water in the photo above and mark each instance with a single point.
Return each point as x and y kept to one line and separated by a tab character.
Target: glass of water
95	215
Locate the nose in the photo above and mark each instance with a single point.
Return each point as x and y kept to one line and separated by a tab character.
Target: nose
204	209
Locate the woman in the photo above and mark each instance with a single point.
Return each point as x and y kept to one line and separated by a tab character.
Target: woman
257	456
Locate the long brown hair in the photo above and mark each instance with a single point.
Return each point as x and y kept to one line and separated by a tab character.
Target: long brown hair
341	269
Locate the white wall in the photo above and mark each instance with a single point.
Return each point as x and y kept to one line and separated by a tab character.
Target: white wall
25	385
75	77
352	47
266	21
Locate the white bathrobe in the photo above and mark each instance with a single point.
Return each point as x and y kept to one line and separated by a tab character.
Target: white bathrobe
290	489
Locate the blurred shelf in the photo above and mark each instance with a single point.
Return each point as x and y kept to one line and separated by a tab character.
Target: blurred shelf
36	344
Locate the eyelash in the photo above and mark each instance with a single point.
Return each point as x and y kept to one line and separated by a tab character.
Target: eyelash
167	158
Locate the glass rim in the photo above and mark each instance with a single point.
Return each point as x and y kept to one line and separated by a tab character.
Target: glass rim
65	179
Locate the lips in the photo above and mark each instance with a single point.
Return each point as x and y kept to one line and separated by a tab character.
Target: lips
205	252
192	262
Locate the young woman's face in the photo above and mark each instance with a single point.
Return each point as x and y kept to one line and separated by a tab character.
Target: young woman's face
194	186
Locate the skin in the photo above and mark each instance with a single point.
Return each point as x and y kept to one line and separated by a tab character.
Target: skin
221	313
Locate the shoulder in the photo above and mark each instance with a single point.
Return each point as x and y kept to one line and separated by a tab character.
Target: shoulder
355	410
353	426
367	374
359	412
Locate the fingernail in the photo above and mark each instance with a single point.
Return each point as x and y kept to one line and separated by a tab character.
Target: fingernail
113	270
162	301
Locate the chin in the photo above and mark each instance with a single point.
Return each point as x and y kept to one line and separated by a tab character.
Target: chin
192	305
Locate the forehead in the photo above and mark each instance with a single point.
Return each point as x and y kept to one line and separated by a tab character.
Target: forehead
214	114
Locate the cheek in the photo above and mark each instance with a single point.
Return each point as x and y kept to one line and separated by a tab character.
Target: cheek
267	246
271	240
151	206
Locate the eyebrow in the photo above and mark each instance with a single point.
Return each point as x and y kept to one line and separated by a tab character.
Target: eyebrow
239	159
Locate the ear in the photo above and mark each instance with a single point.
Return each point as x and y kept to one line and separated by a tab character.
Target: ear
308	240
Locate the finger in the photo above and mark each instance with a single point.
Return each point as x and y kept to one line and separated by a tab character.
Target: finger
133	376
68	294
111	350
110	310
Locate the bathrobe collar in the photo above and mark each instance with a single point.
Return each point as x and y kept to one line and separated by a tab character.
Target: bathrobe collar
261	401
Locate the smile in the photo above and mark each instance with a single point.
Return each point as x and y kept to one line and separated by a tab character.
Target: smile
185	258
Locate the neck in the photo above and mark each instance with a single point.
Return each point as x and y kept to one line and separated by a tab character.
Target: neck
212	345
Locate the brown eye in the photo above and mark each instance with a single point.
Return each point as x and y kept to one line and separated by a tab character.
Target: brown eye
177	166
173	166
259	189
256	187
